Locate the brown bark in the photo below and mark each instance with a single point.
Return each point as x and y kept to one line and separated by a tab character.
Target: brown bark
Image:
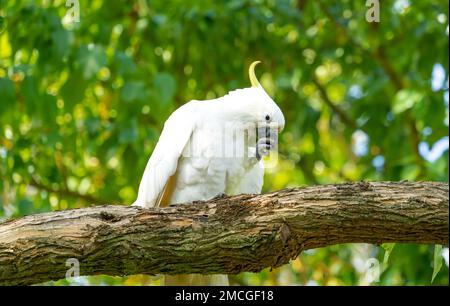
224	235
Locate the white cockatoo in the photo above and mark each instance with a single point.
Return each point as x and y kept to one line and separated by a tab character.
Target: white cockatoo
212	148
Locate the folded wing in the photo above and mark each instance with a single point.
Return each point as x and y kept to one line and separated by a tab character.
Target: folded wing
159	177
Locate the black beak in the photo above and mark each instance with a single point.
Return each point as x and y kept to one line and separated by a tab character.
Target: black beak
266	140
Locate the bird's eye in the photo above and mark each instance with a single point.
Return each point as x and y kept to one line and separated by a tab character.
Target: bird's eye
267	117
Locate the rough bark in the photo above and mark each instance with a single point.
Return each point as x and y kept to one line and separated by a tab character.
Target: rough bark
225	235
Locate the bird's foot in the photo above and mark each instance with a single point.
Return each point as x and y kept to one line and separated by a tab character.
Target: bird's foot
219	196
263	147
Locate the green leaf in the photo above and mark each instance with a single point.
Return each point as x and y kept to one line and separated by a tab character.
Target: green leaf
7	93
47	109
2	211
91	59
405	99
93	125
2	23
165	87
129	134
61	42
31	93
388	247
410	172
437	261
125	64
134	91
73	90
25	207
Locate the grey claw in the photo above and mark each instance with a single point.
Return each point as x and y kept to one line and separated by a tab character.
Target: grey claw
220	196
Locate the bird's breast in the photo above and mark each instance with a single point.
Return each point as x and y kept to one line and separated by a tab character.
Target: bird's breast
204	171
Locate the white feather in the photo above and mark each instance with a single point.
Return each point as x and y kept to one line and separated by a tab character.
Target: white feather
164	160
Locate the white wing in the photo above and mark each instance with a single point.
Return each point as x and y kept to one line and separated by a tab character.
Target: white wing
162	165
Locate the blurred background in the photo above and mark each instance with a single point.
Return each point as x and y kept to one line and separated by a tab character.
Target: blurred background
82	105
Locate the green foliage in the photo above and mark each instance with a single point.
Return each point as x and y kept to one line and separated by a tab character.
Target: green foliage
82	104
437	262
388	247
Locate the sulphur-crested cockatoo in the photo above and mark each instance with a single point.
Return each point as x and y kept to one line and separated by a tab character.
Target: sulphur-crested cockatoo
211	148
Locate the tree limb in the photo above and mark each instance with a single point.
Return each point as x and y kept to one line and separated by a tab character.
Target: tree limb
341	114
223	235
397	81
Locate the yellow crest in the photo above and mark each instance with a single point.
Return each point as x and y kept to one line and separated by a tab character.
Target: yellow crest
251	74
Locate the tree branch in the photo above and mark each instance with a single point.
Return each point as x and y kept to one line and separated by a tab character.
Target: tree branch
224	235
342	115
66	193
379	55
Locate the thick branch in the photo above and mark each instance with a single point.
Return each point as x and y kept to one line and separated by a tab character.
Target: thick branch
224	235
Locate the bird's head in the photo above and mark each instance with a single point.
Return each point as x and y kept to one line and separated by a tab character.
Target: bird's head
264	109
254	107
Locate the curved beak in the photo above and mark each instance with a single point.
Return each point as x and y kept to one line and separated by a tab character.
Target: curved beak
267	138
